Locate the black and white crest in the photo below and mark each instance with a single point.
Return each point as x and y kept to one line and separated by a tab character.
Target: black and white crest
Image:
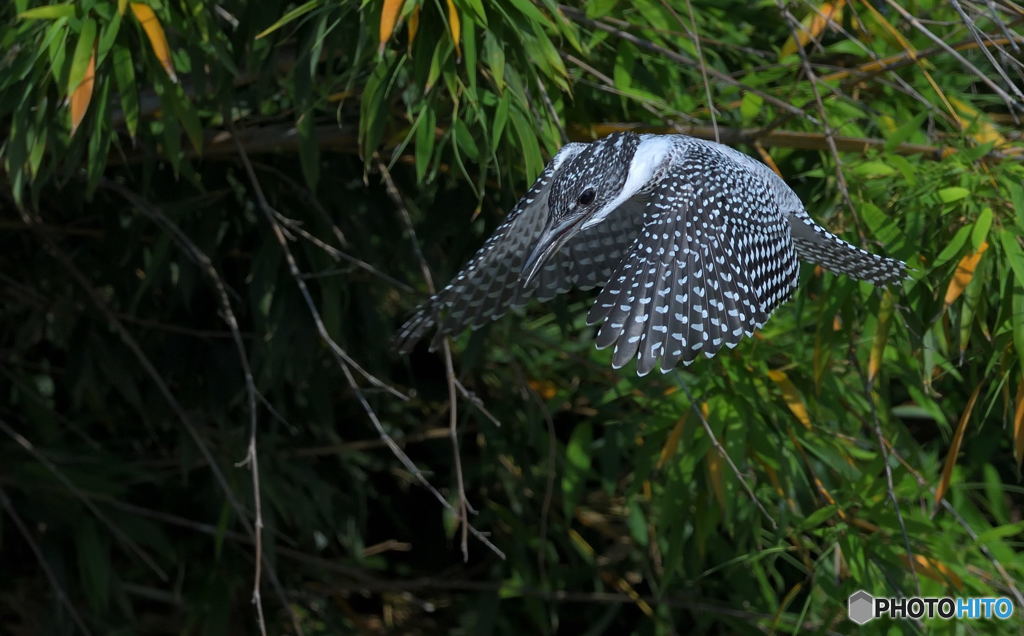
601	167
694	244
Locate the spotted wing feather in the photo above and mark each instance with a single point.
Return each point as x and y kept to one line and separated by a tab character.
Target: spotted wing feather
489	284
713	260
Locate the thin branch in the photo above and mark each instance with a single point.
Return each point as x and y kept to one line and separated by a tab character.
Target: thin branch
1010	101
1011	585
722	452
844	190
344	361
580	17
867	383
700	59
449	367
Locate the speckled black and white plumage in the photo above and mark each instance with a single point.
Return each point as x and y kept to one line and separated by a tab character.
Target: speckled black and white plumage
694	244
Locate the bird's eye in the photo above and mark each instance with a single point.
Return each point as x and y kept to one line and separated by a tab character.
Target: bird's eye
586	197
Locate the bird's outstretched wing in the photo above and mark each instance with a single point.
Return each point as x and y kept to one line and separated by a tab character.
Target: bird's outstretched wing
489	284
713	260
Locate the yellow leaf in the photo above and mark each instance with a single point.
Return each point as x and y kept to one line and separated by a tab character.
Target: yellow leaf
157	39
935	570
1018	425
964	274
813	25
543	388
121	6
791	396
388	17
954	447
414	25
715	476
671	443
912	53
456	27
82	95
986	131
881	335
627	589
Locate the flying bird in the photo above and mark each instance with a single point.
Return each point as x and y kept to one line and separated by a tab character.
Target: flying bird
693	243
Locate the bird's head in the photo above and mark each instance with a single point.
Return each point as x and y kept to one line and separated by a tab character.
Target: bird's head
583	189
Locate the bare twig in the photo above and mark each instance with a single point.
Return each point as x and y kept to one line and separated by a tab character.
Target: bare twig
151	371
228	315
449	367
794	26
344	361
890	487
579	16
722	452
692	30
1011	103
1011	585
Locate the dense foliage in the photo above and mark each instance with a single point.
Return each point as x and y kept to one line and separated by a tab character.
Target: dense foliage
216	214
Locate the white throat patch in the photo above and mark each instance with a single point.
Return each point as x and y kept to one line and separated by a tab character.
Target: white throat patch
652	153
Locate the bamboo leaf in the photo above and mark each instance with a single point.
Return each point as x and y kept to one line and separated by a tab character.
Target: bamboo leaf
1013	252
413	25
124	77
155	33
791	396
813	26
82	95
981	227
1018	426
49	12
455	28
954	447
964	274
84	51
935	570
388	18
291	16
955	193
881	335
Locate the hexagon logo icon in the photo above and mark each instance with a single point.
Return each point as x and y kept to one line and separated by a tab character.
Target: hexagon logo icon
860	607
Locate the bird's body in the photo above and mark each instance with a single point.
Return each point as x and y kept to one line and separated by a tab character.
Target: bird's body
694	244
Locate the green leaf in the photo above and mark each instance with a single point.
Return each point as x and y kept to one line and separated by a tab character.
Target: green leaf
577	465
464	139
1014	254
49	12
750	106
528	140
309	150
500	119
981	227
295	13
425	135
83	51
495	58
817	517
873	169
955	193
107	37
124	76
954	246
1017	200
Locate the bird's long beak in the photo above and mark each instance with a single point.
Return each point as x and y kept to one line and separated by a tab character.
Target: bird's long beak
552	238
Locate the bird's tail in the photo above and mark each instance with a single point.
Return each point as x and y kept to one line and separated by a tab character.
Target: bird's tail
817	245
